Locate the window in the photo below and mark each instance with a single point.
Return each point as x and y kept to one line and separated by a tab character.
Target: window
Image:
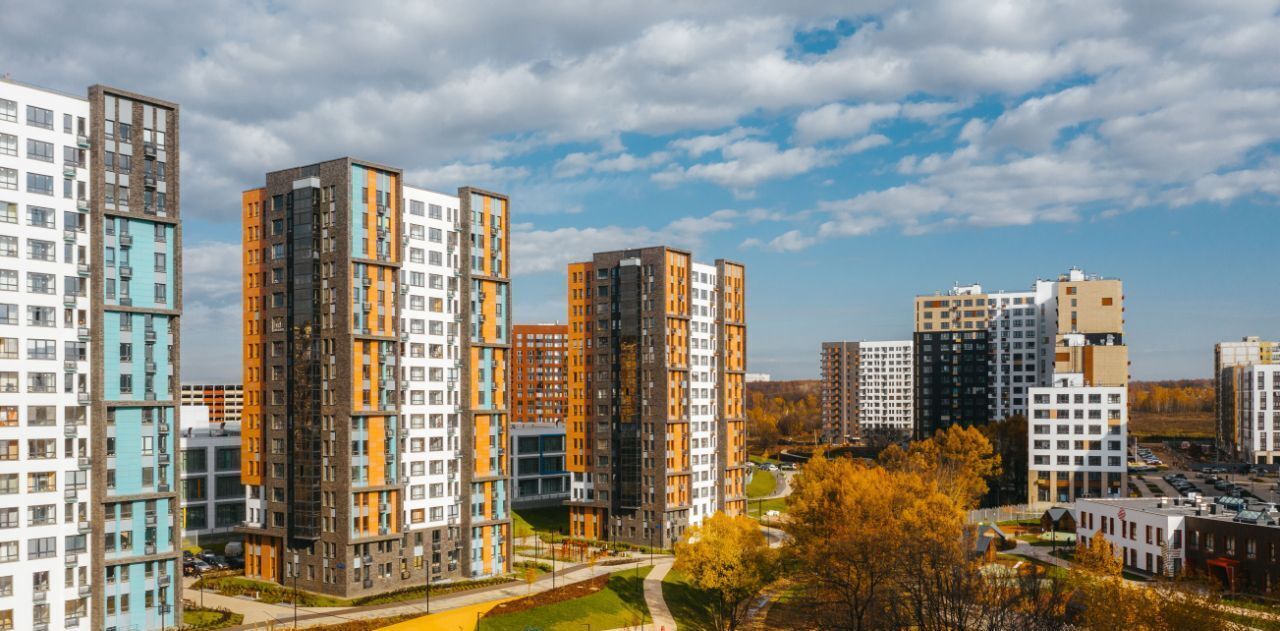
38	283
42	547
8	145
195	460
42	349
8	246
40	217
39	117
8	551
8	111
162	293
41	382
39	150
38	183
38	250
8	280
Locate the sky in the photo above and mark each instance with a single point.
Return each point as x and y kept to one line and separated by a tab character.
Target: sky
851	154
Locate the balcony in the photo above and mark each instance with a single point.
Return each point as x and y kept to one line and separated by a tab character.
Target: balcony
82	141
71	495
40	595
83	270
125	240
82	205
69	300
149	549
69	172
164	580
125	301
72	560
69	431
149	181
84	462
84	527
149	396
83	333
69	236
164	428
164	458
149	149
366	281
83	398
150	367
149	335
126	271
69	365
162	488
85	591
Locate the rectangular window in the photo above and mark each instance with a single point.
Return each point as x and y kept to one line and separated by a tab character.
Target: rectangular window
41	217
8	179
39	117
8	111
8	145
39	184
39	150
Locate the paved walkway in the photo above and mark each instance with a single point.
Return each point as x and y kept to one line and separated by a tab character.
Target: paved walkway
658	610
1040	553
259	615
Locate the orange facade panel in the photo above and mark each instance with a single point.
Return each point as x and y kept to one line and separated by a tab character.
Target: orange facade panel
251	203
578	334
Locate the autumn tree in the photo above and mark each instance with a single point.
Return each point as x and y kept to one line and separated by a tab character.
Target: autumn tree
730	558
958	459
1008	438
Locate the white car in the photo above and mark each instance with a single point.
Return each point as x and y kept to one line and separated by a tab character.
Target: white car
772	513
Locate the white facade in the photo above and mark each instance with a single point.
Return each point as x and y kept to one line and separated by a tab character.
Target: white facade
1013	329
703	395
213	498
431	364
1259	415
538	464
758	377
1077	439
45	446
885	378
1142	532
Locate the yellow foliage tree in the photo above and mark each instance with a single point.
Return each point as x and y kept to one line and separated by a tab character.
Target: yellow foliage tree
958	459
730	558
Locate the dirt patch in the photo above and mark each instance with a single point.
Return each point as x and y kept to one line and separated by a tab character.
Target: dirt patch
551	597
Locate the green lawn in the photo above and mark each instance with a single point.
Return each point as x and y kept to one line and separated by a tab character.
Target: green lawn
758	508
620	604
762	483
547	519
762	460
208	619
687	603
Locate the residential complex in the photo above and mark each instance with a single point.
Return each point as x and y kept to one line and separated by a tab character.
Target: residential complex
866	388
1230	361
225	401
377	333
1233	542
978	353
90	299
656	417
537	461
212	494
1078	438
538	373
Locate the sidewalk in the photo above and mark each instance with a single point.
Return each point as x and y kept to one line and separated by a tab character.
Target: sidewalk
258	615
658	610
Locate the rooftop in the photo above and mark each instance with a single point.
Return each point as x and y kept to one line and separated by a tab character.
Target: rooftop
1217	508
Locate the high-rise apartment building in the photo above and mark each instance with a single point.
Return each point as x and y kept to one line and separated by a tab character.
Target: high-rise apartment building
225	401
657	405
838	397
1259	425
377	328
978	354
1230	359
538	373
90	297
866	388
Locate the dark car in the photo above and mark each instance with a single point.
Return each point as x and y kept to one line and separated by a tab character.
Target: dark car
235	563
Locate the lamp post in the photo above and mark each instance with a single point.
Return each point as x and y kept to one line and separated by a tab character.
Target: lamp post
295	590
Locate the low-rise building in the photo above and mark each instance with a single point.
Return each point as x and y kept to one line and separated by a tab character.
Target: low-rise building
538	462
212	493
1076	438
225	400
1145	533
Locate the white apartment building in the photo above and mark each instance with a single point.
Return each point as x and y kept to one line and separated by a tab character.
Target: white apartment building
885	386
45	445
1259	414
1077	437
1146	533
86	432
430	367
212	493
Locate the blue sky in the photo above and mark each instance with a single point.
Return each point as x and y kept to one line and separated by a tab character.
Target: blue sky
851	154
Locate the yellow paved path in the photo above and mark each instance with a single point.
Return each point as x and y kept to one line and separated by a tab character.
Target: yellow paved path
462	618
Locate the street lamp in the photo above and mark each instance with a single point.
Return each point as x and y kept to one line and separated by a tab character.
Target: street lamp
295	590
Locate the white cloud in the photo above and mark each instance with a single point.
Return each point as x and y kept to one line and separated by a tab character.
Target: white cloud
578	163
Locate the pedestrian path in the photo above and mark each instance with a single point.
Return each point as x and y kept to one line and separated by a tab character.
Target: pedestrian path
658	610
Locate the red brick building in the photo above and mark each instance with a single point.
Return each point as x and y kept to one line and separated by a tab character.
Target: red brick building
538	373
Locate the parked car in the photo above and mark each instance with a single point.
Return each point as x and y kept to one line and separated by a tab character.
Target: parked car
235	563
216	561
195	567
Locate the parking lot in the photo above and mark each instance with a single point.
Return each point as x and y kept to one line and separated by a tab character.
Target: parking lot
1179	475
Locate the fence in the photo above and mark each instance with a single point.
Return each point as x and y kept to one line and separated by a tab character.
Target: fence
1010	512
